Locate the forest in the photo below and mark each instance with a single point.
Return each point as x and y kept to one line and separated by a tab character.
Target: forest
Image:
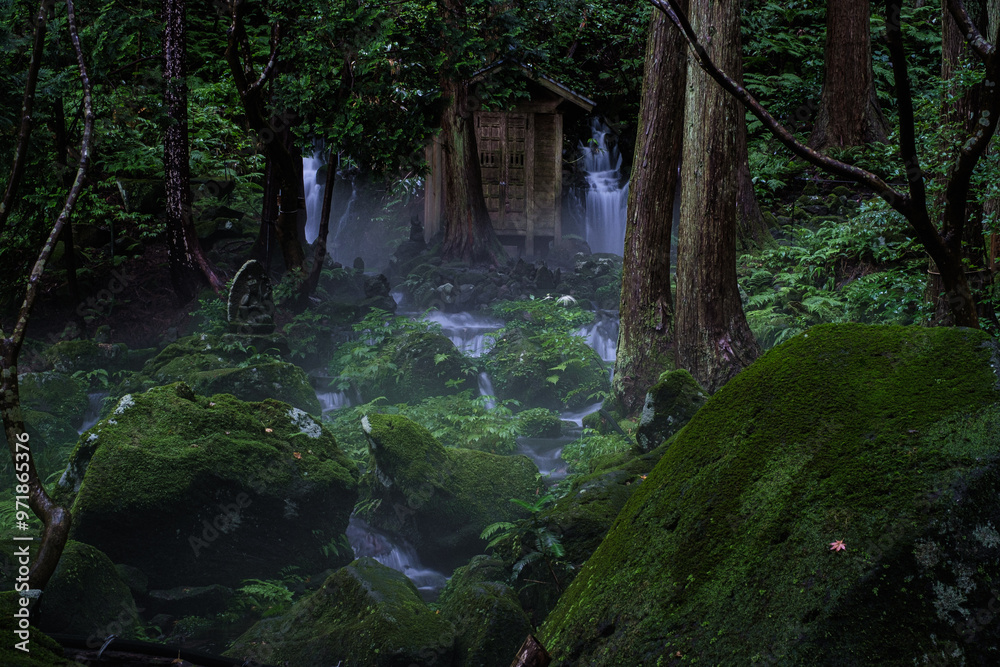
500	332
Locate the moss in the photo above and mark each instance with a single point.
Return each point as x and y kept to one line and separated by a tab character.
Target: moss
539	423
43	651
87	597
176	484
555	371
489	621
418	365
69	356
670	404
280	381
364	614
868	435
55	393
440	499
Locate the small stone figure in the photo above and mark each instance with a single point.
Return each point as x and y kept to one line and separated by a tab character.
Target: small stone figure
416	230
251	303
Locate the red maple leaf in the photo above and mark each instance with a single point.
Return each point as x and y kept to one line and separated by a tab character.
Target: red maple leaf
838	545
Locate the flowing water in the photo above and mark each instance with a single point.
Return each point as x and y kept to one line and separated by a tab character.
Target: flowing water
466	330
395	552
606	198
333	400
313	192
95	402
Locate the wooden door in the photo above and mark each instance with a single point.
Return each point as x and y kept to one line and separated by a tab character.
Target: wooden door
503	140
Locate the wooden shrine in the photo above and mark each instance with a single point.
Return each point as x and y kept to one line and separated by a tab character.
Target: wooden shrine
520	159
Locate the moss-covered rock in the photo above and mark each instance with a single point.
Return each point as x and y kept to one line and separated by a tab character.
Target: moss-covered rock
883	439
489	621
670	404
69	356
212	364
39	650
439	499
549	370
56	393
86	596
415	366
185	487
539	423
364	614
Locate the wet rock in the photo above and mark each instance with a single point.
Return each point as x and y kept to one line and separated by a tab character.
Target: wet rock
670	404
544	279
440	499
183	487
364	614
87	597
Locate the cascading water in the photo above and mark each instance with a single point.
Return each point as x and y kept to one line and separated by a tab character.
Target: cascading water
607	192
313	189
394	552
95	400
466	330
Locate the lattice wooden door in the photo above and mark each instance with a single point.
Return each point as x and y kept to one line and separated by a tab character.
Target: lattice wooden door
502	141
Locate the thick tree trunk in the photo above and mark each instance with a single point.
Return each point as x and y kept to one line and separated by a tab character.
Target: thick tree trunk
849	112
468	231
189	269
645	339
713	339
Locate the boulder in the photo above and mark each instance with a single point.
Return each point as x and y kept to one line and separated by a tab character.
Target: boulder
40	650
555	371
185	488
87	597
439	499
489	621
364	614
835	503
670	404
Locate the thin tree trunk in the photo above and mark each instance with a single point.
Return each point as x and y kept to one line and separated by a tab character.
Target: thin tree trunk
849	112
713	339
645	339
62	159
263	247
189	269
21	151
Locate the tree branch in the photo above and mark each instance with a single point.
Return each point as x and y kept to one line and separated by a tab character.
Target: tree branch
17	169
983	48
269	68
896	199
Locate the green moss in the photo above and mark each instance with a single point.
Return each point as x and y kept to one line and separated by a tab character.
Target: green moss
55	393
43	651
417	365
69	356
670	404
440	499
87	597
539	423
846	432
364	614
167	465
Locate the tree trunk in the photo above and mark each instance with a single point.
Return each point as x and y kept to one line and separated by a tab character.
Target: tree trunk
713	339
645	339
849	112
263	247
751	230
189	269
468	231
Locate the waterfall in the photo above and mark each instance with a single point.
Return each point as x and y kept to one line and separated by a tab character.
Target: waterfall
395	552
607	192
466	330
333	400
313	189
95	401
602	336
486	389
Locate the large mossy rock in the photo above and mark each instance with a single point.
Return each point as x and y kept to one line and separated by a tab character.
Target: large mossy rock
558	373
69	356
40	650
440	499
415	366
199	491
57	394
489	621
670	404
87	597
365	614
884	438
212	364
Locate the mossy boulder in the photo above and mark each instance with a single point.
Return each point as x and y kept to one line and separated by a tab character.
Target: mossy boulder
87	597
489	621
364	614
440	499
40	649
555	371
539	423
670	404
883	439
184	487
415	366
55	393
212	364
69	356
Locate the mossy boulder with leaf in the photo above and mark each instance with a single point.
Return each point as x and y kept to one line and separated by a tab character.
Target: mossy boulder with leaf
87	597
364	614
183	487
489	621
438	498
552	370
834	503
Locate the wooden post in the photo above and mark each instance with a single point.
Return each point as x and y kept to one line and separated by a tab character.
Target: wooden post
531	654
529	185
557	132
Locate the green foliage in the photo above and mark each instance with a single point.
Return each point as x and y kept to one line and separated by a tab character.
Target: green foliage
459	420
587	453
542	315
210	316
534	540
